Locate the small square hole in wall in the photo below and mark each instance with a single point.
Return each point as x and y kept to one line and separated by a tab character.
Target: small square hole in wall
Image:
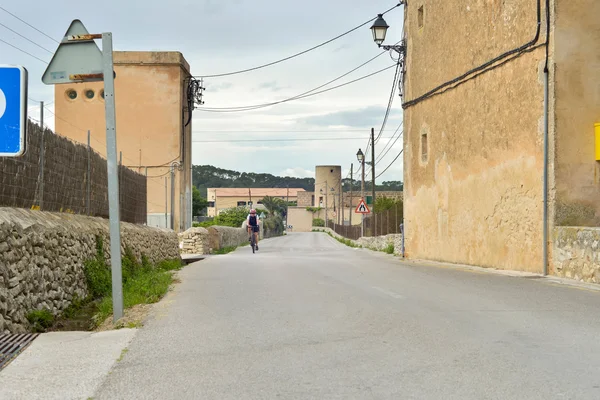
420	17
424	147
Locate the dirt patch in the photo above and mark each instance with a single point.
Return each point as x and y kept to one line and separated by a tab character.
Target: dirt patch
133	318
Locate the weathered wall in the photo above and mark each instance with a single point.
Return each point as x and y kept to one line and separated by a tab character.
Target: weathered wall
577	253
327	187
67	167
150	91
42	256
577	79
300	219
206	241
473	155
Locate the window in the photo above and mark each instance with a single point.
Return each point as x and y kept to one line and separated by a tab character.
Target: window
211	203
259	202
102	93
89	93
241	203
424	147
421	17
321	201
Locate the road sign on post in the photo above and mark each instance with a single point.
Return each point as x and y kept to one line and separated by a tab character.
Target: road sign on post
78	59
362	208
13	110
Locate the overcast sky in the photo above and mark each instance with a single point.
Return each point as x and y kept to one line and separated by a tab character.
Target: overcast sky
218	36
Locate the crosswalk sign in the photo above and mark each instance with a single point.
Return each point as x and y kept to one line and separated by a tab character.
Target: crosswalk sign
362	208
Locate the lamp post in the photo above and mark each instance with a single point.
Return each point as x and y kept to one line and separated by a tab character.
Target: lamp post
379	30
361	159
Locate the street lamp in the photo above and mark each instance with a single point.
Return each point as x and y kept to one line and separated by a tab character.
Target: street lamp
360	156
379	30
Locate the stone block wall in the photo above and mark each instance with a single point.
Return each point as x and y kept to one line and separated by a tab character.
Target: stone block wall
205	241
576	253
42	256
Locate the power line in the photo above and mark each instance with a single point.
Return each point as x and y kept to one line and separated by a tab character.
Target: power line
301	94
287	131
26	38
28	24
249	108
382	154
393	161
23	51
390	102
277	140
297	54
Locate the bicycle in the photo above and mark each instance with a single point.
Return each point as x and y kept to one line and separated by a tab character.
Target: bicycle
252	241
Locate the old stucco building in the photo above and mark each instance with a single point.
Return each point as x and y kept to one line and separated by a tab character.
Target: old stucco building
474	150
151	108
220	199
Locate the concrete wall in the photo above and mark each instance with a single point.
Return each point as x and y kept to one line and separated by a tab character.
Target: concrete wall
577	108
473	155
300	219
42	256
577	253
150	92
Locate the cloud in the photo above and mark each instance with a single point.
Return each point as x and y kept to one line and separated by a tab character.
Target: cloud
297	172
273	86
364	117
212	87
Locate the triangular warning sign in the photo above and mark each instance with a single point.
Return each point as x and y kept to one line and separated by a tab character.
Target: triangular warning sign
74	57
362	207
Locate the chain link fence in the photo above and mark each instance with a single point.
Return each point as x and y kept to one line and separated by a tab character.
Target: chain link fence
57	174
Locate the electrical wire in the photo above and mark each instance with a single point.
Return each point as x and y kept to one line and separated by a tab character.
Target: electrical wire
297	54
390	102
392	163
309	91
28	24
277	140
383	152
255	107
23	51
26	38
485	67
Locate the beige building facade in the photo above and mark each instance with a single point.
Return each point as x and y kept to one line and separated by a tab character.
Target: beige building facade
152	112
474	149
220	199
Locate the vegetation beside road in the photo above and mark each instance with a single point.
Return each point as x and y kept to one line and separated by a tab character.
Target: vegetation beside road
143	283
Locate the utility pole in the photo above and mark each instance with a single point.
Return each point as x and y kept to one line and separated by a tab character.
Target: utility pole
341	203
362	195
351	184
250	197
42	151
287	206
373	174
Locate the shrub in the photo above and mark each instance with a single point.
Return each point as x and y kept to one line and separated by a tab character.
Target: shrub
97	273
318	222
40	320
389	249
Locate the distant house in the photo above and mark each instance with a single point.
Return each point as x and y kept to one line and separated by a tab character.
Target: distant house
220	199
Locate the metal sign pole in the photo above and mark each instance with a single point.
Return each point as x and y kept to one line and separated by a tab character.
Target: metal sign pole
113	176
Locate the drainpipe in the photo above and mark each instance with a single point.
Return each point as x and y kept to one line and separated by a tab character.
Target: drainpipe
546	100
545	231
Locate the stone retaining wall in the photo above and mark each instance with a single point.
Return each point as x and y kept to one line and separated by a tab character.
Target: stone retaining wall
576	253
377	243
207	240
42	256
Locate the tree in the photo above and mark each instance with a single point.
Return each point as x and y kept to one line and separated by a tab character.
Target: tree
274	204
199	203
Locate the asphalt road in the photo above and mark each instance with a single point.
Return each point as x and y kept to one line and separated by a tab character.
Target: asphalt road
308	318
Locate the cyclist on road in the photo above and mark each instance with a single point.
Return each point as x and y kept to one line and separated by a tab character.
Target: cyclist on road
253	223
